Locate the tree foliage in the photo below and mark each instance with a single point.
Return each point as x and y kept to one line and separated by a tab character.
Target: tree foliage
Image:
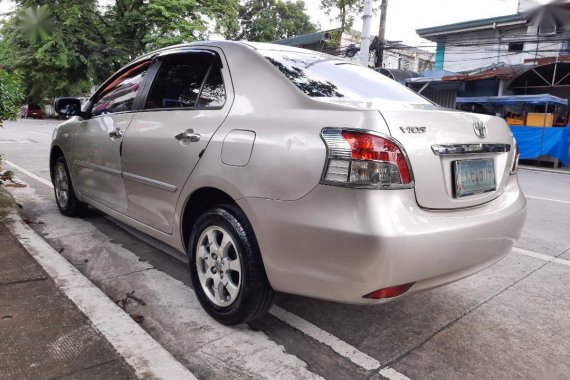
270	20
132	27
65	47
11	94
49	43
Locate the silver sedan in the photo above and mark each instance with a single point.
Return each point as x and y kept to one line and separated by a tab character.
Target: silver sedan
282	169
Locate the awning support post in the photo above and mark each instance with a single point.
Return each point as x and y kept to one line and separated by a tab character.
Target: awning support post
543	128
424	87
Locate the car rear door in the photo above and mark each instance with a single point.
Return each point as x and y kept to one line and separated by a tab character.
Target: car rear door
188	100
97	140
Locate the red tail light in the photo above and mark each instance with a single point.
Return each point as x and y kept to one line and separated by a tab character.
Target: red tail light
365	159
370	147
391	292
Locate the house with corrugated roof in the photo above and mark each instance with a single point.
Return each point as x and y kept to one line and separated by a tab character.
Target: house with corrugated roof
397	56
515	66
522	54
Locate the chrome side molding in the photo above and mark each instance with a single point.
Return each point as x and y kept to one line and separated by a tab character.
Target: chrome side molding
101	168
149	182
453	149
128	176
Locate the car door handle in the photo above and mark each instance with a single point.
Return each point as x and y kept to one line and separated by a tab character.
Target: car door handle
187	136
116	134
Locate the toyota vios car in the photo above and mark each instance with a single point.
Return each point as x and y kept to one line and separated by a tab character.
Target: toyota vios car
282	169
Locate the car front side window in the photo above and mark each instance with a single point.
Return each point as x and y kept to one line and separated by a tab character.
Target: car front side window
120	94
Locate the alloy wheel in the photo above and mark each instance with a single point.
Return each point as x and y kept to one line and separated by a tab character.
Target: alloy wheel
219	266
61	183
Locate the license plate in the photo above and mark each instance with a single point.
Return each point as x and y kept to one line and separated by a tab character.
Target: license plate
474	177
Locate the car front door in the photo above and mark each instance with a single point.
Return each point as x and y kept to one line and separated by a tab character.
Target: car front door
188	100
97	139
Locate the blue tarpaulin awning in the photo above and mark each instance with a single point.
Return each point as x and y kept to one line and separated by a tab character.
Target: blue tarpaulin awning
514	99
534	142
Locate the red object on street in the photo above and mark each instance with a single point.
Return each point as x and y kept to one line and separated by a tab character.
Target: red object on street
31	111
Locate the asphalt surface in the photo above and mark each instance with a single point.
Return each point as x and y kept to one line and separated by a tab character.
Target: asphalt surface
510	321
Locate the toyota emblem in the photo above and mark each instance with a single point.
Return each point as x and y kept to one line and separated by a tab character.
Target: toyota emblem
480	129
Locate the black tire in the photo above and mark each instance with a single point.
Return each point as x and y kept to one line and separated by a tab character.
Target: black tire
72	207
255	295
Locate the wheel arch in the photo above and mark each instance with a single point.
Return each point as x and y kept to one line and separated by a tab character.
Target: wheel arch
54	154
199	201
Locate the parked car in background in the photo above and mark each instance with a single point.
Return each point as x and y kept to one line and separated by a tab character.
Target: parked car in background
283	169
31	111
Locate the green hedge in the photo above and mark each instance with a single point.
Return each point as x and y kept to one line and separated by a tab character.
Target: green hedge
11	94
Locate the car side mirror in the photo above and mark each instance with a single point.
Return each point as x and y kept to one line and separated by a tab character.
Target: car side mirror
68	107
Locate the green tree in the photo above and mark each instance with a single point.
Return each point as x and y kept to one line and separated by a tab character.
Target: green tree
11	94
50	44
343	11
270	20
132	27
64	47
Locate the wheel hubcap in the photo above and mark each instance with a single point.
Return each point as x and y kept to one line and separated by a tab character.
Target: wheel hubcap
219	266
61	185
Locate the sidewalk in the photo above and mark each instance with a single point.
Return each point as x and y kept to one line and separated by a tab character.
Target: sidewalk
56	324
43	335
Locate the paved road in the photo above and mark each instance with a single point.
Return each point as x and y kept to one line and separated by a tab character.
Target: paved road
510	321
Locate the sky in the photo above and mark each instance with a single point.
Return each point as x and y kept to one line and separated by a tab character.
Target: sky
405	16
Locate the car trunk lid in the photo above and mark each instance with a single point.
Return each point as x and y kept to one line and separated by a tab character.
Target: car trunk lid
442	144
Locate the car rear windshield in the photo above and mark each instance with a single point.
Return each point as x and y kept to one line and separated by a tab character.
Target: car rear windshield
34	107
324	76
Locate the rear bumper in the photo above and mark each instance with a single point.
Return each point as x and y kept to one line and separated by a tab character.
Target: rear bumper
33	114
340	244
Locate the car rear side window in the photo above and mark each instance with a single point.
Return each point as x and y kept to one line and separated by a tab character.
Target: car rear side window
324	76
120	94
189	80
213	92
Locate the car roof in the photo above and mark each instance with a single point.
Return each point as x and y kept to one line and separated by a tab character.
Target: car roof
245	46
227	43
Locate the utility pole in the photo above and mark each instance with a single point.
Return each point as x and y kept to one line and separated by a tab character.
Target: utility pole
365	41
381	34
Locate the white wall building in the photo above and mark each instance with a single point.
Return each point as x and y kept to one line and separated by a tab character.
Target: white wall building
516	39
403	57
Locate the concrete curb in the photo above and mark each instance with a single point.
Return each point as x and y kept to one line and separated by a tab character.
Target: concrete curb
145	355
544	170
7	203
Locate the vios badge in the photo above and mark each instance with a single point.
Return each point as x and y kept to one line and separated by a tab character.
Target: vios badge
413	129
480	129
